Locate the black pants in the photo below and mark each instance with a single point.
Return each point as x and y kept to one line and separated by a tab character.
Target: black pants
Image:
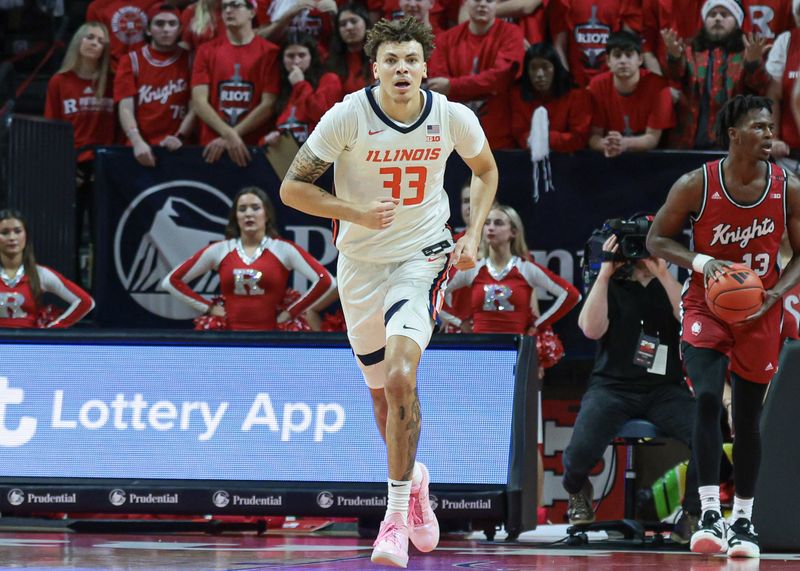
708	370
607	405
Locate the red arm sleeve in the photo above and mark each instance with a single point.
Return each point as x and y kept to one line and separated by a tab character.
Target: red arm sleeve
124	82
80	302
579	118
506	66
176	281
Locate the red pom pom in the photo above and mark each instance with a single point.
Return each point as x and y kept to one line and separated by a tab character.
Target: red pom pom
47	315
333	322
549	347
210	323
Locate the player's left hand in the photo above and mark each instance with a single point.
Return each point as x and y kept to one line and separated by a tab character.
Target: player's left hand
770	297
284	317
465	254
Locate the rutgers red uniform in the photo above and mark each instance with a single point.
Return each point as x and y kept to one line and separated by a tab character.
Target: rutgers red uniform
251	286
236	76
126	21
501	300
749	234
19	309
307	105
70	98
159	84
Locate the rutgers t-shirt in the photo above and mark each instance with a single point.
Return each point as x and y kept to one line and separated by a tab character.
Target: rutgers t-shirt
159	84
126	21
236	76
70	98
650	105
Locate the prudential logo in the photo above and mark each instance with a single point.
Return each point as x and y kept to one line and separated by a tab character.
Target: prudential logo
12	438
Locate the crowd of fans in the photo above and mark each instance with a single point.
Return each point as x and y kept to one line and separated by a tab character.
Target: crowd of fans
613	75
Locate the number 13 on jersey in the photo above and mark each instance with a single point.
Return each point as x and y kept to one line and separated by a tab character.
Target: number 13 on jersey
413	177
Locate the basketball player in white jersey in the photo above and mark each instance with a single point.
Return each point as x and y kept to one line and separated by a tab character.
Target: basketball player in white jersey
389	145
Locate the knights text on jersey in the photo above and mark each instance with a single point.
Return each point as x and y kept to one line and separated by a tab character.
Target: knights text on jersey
749	234
374	157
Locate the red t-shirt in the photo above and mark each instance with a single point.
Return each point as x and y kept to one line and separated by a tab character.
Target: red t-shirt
126	21
70	98
159	84
307	105
318	25
569	116
683	16
587	24
650	105
481	70
767	18
236	76
19	309
252	287
193	39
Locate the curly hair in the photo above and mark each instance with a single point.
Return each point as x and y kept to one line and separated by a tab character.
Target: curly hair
407	29
732	113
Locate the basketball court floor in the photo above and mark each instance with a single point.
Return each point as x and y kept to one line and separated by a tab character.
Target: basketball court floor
49	551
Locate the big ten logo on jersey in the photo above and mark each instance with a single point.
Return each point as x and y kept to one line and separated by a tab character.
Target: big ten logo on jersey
432	133
128	24
608	476
11	305
245	282
591	38
161	228
235	96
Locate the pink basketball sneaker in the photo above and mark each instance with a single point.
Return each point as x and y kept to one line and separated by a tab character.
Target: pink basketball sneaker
391	547
422	523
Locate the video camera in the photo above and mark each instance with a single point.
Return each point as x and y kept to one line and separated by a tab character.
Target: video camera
631	236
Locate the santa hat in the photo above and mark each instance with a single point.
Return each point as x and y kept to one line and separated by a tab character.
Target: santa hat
731	6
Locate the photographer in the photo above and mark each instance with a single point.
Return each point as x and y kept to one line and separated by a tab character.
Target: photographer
632	311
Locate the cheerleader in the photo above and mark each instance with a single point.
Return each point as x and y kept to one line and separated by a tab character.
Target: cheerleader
23	281
253	264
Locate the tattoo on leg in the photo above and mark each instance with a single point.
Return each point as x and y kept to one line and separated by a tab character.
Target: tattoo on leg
413	427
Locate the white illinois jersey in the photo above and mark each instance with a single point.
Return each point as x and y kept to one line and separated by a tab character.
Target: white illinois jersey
375	157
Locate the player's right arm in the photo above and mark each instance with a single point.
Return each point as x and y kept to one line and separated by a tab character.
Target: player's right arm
335	133
684	199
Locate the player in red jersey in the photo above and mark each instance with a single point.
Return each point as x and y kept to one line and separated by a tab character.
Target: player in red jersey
152	88
254	264
739	208
23	281
234	85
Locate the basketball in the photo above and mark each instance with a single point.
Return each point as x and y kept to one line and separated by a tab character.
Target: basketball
737	294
